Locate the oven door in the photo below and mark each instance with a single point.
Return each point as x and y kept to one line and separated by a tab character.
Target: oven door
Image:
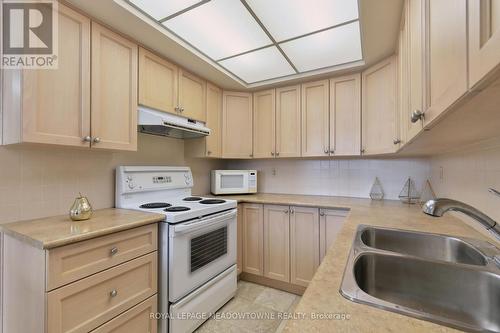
199	250
231	182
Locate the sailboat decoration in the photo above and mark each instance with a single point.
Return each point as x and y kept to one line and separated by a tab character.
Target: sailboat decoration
427	193
409	193
377	193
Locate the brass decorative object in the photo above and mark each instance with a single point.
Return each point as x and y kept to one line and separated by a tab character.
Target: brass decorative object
81	209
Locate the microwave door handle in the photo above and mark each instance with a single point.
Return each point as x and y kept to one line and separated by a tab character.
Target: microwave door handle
203	223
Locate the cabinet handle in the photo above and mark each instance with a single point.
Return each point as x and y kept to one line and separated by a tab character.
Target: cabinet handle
277	154
321	213
87	138
182	109
97	139
251	155
286	211
113	293
272	153
326	151
292	211
396	141
416	115
209	152
362	150
176	109
113	251
332	152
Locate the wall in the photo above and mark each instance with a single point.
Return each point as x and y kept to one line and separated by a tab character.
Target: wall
339	177
38	181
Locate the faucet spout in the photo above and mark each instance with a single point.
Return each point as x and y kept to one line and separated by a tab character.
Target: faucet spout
438	207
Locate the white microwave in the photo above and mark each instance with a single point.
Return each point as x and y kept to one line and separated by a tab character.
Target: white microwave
234	181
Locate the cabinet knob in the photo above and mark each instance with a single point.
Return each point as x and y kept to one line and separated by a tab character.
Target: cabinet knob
332	151
277	154
87	138
96	139
327	151
286	211
396	141
292	211
113	293
321	213
251	155
362	150
113	251
416	115
272	153
209	152
176	109
182	109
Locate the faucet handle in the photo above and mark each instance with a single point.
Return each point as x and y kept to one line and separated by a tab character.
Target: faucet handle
492	190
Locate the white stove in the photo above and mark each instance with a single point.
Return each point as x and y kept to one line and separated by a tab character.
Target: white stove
197	242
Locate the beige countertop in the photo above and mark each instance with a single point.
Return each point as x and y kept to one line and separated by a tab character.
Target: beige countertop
322	295
57	231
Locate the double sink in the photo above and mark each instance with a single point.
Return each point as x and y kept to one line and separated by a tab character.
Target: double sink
448	280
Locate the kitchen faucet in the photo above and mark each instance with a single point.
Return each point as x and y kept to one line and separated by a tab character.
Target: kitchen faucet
437	207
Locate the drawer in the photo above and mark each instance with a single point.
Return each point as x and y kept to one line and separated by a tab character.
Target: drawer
136	320
90	302
72	262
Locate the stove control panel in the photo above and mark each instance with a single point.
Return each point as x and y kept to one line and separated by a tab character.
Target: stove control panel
138	179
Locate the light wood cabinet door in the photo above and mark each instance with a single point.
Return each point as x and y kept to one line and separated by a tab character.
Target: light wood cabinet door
331	222
484	38
239	241
446	31
345	115
214	121
192	96
157	82
288	126
277	242
56	103
304	244
264	119
315	119
237	129
379	108
253	239
403	74
114	90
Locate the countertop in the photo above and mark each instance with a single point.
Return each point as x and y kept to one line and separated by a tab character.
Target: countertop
50	232
322	296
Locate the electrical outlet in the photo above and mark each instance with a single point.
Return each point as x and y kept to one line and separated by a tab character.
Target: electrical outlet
274	172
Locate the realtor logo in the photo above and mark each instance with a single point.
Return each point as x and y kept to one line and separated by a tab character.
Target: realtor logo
29	34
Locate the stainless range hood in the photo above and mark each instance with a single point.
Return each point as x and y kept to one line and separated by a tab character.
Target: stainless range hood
166	124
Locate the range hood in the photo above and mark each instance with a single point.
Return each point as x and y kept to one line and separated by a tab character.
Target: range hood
166	124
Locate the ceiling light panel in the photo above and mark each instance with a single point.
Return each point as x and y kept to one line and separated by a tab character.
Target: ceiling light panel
219	28
325	49
286	19
160	9
259	65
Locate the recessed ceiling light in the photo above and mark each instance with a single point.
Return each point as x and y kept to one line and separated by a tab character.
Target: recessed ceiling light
219	28
259	65
160	9
292	18
328	48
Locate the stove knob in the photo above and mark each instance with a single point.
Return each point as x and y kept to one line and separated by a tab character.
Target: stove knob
131	185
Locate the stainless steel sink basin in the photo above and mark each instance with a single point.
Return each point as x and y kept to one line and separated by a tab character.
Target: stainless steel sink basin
423	245
447	280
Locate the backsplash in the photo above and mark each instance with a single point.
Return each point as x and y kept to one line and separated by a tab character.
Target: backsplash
37	181
340	177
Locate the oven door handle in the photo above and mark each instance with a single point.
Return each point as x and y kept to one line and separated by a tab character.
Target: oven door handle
204	223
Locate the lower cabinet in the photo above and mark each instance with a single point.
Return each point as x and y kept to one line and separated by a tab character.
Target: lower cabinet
277	242
330	223
239	241
253	239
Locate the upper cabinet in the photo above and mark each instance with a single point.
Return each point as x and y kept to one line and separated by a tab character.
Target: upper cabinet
157	82
380	132
237	129
53	106
264	128
446	54
345	115
114	90
214	121
484	38
166	87
315	119
288	126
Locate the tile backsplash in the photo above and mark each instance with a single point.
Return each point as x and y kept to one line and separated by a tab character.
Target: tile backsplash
339	177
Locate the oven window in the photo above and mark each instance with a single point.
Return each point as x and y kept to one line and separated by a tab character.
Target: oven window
231	181
208	247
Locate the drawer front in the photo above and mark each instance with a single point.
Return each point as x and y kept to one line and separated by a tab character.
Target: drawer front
73	262
88	303
135	320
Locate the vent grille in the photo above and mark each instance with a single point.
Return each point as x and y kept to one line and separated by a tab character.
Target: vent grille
207	248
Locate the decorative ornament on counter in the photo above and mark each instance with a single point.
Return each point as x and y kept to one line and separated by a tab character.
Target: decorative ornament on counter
81	209
427	193
409	193
377	193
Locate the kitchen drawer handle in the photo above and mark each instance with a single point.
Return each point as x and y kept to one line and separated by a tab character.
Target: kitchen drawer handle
113	293
97	139
113	251
286	211
277	154
87	138
272	153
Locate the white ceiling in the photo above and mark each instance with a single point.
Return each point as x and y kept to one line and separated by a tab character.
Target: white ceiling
258	43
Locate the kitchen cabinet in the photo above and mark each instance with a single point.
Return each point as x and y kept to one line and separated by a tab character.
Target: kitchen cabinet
403	75
214	121
264	124
52	106
288	125
158	85
331	222
114	90
237	128
253	239
304	244
315	119
345	115
192	95
277	242
239	241
446	55
380	132
484	38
